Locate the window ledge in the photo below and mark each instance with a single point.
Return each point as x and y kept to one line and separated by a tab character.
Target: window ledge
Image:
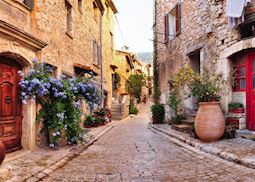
80	11
21	6
69	34
96	65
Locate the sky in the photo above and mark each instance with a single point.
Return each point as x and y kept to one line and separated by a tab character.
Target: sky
136	20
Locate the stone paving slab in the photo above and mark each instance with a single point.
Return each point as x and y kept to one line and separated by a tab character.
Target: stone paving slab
33	166
238	150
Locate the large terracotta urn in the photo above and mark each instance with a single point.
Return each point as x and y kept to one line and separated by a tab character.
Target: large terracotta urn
2	152
210	122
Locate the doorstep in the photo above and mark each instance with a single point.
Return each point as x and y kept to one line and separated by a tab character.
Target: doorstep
25	165
238	150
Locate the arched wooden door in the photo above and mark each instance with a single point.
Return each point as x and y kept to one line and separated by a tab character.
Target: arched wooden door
10	105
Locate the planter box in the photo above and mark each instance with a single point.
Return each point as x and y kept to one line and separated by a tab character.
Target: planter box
238	111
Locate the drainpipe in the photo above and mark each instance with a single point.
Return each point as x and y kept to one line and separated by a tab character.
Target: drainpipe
101	58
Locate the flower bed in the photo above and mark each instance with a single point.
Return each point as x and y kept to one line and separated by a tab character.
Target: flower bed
60	101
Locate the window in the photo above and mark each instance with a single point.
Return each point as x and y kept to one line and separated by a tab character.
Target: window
80	5
112	41
53	69
173	23
96	11
69	16
29	3
239	73
96	53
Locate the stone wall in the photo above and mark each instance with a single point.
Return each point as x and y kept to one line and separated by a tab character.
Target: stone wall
124	70
108	49
204	29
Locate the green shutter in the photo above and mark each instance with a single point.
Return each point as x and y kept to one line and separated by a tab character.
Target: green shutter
29	3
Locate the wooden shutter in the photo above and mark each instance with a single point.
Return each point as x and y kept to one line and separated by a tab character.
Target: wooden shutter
166	27
29	3
95	52
178	18
98	54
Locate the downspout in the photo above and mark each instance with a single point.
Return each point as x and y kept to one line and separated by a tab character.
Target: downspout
101	58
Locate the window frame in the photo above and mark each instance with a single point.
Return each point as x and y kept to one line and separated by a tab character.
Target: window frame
238	67
176	12
80	6
69	18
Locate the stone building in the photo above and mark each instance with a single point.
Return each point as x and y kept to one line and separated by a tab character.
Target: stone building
123	65
214	34
67	34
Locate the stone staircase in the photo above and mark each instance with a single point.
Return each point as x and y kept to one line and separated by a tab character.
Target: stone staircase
120	108
187	125
117	111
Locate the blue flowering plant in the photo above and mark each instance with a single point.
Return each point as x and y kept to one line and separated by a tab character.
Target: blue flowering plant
60	101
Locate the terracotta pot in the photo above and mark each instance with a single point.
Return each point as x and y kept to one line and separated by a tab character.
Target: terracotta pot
2	152
210	122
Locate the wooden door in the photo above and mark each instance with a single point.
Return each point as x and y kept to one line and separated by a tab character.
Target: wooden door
10	105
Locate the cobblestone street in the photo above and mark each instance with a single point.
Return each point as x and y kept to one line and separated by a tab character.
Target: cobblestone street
132	152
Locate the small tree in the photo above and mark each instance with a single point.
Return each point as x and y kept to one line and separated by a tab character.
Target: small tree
134	86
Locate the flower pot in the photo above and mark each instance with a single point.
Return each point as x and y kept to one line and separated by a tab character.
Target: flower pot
237	111
2	152
210	122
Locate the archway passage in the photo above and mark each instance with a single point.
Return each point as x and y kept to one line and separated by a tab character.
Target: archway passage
10	105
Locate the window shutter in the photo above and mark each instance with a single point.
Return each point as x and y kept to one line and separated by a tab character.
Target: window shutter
94	52
99	54
167	27
29	3
178	18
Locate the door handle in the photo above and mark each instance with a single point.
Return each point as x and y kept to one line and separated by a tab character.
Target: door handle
7	99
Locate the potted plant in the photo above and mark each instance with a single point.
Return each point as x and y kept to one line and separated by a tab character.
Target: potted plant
235	107
158	113
210	121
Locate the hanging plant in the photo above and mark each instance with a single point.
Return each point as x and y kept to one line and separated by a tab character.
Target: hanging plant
59	98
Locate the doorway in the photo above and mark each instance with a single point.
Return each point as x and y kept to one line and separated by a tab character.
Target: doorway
10	105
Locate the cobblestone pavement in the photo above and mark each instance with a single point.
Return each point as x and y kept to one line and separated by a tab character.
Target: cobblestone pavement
132	152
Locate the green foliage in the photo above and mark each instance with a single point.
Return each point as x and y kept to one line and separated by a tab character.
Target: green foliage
91	121
158	113
133	109
134	86
177	86
207	88
177	119
174	101
235	105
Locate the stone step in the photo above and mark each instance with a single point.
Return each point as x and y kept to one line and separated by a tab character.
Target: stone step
115	109
182	127
189	121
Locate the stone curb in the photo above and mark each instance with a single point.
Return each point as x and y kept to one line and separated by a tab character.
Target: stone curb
74	152
245	161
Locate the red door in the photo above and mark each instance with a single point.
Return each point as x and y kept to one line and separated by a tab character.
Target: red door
251	92
10	106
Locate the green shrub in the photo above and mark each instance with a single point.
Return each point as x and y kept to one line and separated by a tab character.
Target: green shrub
235	105
158	113
177	119
91	121
133	109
